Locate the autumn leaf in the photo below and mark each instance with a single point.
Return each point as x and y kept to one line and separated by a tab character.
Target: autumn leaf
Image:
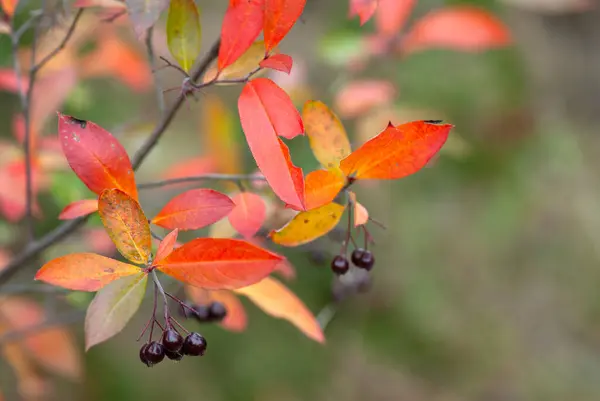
364	9
144	13
326	134
321	187
113	307
166	246
280	17
397	151
278	301
279	62
249	213
184	35
358	97
235	319
194	166
361	214
392	15
464	28
126	225
308	226
97	158
9	7
83	271
240	68
266	112
10	83
242	23
220	130
219	263
194	209
78	208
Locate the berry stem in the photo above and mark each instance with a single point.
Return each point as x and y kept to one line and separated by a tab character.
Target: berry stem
180	326
160	288
348	229
180	302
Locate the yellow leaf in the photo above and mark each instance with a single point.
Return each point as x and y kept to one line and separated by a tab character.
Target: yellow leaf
219	135
327	136
308	226
247	63
184	34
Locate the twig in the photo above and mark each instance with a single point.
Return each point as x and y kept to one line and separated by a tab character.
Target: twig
35	247
203	177
164	295
160	99
68	318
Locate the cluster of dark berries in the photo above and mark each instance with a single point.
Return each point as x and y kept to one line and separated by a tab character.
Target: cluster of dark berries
361	258
212	312
173	346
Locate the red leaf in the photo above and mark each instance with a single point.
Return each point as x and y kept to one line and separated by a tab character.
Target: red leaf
9	82
97	158
463	28
397	151
194	209
9	6
358	97
279	62
79	208
190	167
242	23
280	17
166	246
264	114
219	263
363	8
84	271
392	15
321	187
249	213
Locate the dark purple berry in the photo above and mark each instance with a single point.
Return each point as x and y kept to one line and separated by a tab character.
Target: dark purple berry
340	264
143	355
155	353
194	345
172	340
217	311
174	356
357	256
202	312
366	261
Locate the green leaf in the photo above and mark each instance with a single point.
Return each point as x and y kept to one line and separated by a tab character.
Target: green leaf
183	32
113	306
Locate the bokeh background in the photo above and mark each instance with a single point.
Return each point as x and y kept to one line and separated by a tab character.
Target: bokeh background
486	281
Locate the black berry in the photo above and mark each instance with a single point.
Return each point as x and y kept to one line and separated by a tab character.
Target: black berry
217	311
143	355
202	312
340	264
154	353
174	356
367	260
172	340
194	345
357	255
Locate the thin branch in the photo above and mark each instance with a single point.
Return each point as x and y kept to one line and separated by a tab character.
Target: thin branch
160	99
203	177
165	300
36	247
66	319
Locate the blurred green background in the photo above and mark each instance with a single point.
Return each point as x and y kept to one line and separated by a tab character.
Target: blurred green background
487	275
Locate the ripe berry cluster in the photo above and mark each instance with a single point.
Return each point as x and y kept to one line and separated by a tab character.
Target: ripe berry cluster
361	258
173	346
212	312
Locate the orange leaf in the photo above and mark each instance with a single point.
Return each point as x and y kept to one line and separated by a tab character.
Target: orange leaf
242	23
97	158
126	225
249	213
194	209
240	68
363	8
219	263
9	6
280	17
166	246
235	320
392	15
397	151
265	112
219	133
278	301
308	226
361	214
321	187
279	62
359	97
78	208
465	28
327	136
53	348
83	271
